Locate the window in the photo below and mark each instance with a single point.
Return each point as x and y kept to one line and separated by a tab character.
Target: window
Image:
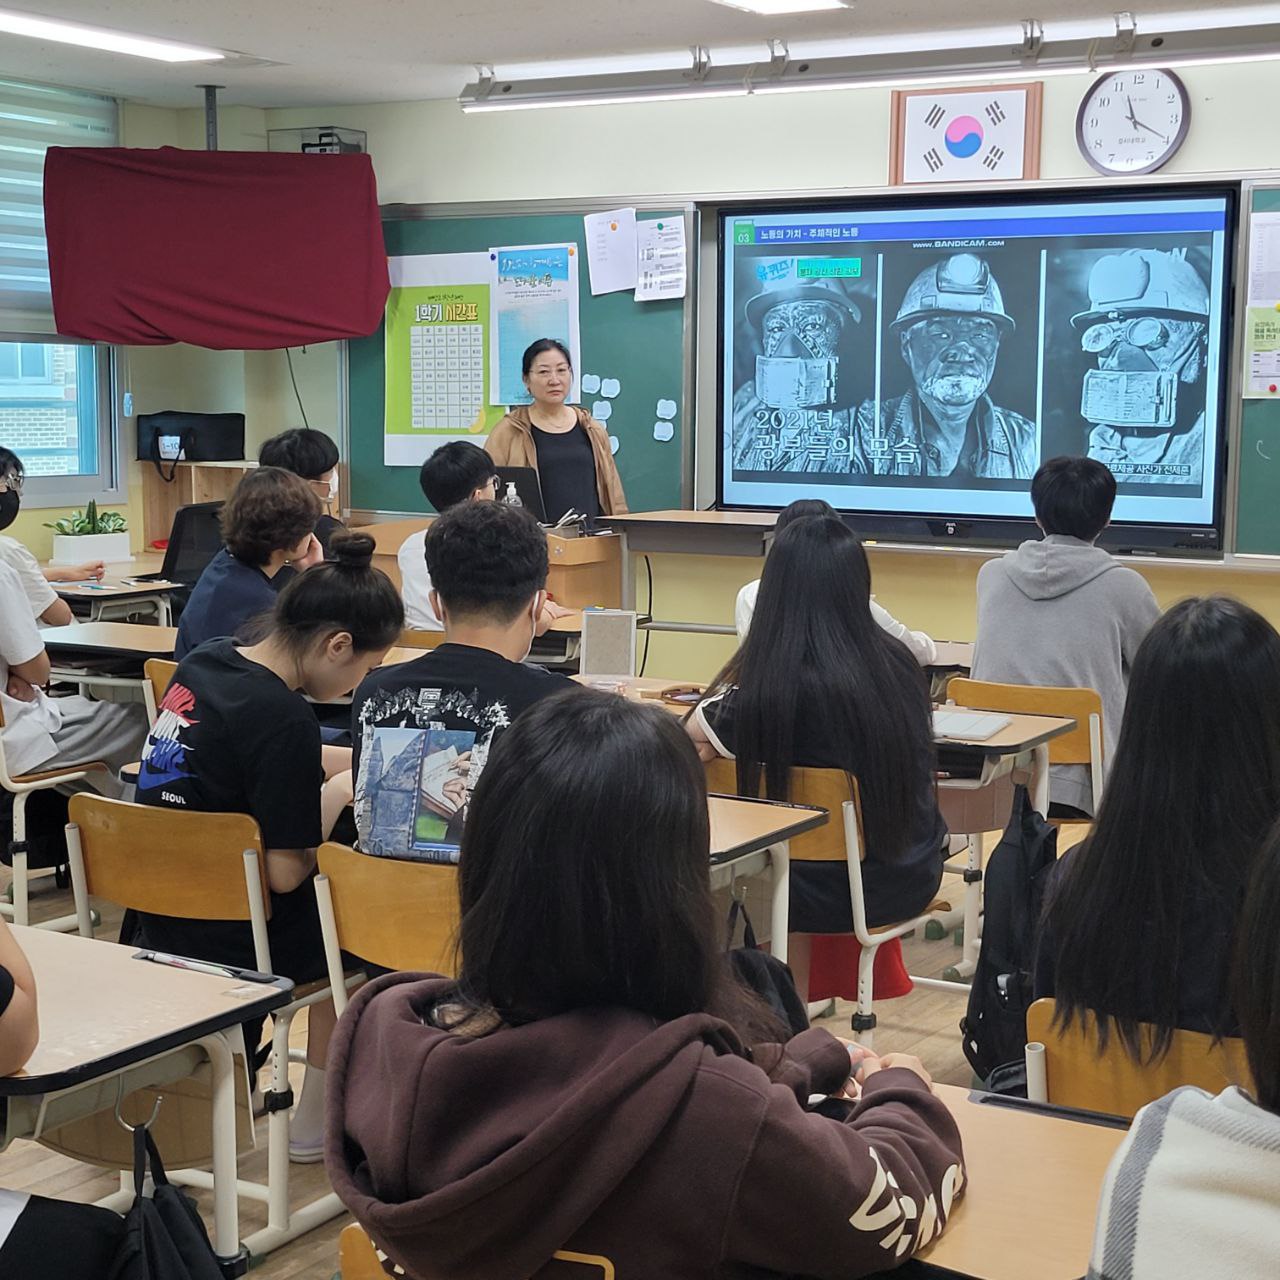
56	401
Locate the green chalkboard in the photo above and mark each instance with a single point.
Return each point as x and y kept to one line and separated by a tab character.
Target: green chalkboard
1258	462
646	346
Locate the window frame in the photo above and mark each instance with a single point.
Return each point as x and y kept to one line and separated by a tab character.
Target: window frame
107	482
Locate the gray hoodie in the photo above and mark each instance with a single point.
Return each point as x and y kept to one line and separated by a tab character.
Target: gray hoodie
1063	612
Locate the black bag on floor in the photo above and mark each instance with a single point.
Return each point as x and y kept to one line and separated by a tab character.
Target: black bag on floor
164	1237
58	1238
995	1024
46	829
764	974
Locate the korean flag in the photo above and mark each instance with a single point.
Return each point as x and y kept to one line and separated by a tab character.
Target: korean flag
965	137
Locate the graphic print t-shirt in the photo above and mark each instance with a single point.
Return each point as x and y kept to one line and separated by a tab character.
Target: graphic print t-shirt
232	737
422	732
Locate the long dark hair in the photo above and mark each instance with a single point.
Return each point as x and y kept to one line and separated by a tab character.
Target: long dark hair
585	872
815	650
1257	975
343	594
1193	790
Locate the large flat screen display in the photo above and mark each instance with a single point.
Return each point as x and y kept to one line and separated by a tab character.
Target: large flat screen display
913	361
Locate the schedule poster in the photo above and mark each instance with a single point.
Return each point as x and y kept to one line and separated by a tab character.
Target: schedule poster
437	355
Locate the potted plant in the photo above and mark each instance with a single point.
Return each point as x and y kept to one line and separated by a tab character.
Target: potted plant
90	535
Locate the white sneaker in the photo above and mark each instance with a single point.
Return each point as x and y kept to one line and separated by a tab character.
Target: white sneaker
821	1008
306	1152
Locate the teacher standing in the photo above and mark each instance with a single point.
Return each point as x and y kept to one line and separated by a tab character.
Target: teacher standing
563	443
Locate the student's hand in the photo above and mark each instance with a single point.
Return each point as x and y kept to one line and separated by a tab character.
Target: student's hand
860	1059
90	571
897	1060
462	764
312	556
18	689
556	610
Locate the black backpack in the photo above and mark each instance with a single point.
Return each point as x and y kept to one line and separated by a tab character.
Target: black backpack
46	822
995	1024
164	1237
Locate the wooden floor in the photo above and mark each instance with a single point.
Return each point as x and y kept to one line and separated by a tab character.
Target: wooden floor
923	1023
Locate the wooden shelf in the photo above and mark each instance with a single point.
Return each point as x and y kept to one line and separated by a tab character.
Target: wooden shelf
192	482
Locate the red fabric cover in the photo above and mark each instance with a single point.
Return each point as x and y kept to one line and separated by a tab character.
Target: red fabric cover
833	968
224	249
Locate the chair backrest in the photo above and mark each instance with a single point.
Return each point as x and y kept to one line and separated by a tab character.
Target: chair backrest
194	539
167	861
411	638
159	672
357	1258
1112	1082
1037	700
827	789
400	915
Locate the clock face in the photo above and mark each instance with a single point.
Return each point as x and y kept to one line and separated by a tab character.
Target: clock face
1133	121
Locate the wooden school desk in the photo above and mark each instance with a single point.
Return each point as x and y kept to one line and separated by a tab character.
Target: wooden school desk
110	1024
1029	1207
750	837
582	572
117	596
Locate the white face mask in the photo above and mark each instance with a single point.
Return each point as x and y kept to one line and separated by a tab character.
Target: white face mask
333	485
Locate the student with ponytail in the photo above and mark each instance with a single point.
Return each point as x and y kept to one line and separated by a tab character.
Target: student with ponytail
236	735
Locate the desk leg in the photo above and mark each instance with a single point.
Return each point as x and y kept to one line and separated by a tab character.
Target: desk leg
628	573
1040	779
226	1205
780	923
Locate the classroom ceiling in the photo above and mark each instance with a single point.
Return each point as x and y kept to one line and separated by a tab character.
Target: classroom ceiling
319	52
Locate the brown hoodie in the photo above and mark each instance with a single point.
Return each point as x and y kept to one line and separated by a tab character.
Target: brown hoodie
510	444
600	1137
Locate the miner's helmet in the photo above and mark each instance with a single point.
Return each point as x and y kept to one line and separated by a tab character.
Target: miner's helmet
961	285
791	288
1145	282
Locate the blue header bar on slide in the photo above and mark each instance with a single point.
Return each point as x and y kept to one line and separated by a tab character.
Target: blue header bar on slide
766	231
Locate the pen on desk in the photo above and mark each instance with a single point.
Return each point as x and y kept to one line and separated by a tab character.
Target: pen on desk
203	966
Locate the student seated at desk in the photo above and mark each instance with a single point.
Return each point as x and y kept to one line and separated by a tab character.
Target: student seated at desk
268	524
488	563
235	735
43	733
45	604
818	683
456	472
313	456
1062	611
1194	1190
1140	919
921	645
597	1037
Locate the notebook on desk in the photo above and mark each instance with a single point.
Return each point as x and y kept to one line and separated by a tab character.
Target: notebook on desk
967	726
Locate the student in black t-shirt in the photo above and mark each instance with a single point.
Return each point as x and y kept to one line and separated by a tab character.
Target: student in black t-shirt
268	524
818	683
235	735
313	456
422	730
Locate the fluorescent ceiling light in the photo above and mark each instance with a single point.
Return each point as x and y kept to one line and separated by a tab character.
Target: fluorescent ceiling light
785	6
985	61
602	99
38	28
